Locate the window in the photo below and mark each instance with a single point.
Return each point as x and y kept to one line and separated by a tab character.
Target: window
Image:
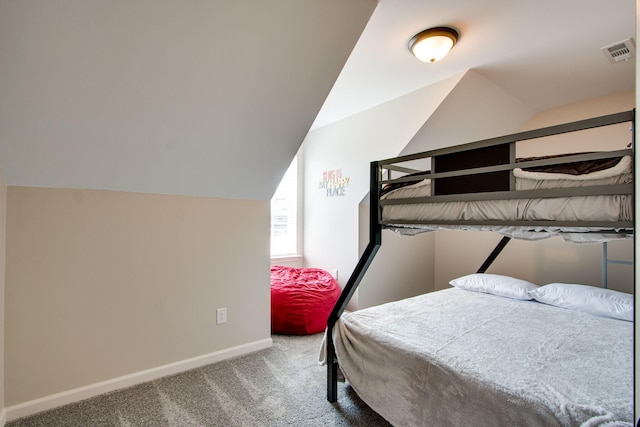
284	214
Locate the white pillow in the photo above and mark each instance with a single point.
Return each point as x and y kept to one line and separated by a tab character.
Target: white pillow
589	299
495	284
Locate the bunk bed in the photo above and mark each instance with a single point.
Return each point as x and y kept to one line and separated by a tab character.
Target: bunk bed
502	352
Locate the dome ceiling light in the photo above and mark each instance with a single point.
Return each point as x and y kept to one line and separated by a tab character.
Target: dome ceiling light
433	44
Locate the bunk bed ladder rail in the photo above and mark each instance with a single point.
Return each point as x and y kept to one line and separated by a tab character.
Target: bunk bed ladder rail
375	240
605	264
605	254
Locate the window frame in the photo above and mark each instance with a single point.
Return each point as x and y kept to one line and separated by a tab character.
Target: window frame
297	257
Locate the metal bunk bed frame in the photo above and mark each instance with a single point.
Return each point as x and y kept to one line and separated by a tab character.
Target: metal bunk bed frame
376	224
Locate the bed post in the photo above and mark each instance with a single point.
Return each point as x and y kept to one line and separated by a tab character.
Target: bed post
375	240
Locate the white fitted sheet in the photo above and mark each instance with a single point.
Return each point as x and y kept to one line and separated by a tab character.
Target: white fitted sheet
458	357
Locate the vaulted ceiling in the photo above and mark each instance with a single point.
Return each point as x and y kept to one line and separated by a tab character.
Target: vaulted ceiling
544	52
213	98
208	98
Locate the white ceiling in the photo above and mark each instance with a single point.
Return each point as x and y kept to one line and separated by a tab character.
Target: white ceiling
545	52
213	98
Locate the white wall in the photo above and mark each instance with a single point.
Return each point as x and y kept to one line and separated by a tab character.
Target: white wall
604	138
402	268
476	109
434	116
541	262
103	284
331	223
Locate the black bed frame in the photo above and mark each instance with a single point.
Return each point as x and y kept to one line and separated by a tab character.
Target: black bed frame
376	224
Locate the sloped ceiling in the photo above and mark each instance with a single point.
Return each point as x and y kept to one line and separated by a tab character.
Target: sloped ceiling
544	52
207	98
501	114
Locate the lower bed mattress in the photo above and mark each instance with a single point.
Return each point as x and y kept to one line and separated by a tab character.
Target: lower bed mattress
458	357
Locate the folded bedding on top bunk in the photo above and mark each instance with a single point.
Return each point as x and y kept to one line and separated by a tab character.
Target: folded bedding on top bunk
575	168
588	170
583	170
457	357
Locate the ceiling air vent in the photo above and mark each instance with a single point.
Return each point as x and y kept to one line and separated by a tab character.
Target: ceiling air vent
620	51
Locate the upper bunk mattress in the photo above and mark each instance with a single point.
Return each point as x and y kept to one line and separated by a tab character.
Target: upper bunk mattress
458	357
576	208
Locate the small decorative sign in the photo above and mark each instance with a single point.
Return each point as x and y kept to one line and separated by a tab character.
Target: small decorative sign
334	183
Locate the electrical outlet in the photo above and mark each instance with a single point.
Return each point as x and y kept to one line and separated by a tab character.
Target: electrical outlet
221	315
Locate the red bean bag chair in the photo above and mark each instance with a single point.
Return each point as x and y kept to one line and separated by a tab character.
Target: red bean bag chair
301	300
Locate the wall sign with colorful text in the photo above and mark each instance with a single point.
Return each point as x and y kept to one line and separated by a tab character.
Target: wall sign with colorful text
333	183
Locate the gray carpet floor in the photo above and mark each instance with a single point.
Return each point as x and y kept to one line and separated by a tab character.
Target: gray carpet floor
279	386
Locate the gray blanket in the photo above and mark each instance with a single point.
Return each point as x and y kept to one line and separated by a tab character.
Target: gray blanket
462	358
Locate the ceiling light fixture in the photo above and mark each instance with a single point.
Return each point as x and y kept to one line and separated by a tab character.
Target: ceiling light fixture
433	44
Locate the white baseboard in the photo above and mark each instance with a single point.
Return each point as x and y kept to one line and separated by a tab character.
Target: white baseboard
55	400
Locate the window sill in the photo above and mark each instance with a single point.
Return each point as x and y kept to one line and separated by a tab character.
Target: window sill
287	260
